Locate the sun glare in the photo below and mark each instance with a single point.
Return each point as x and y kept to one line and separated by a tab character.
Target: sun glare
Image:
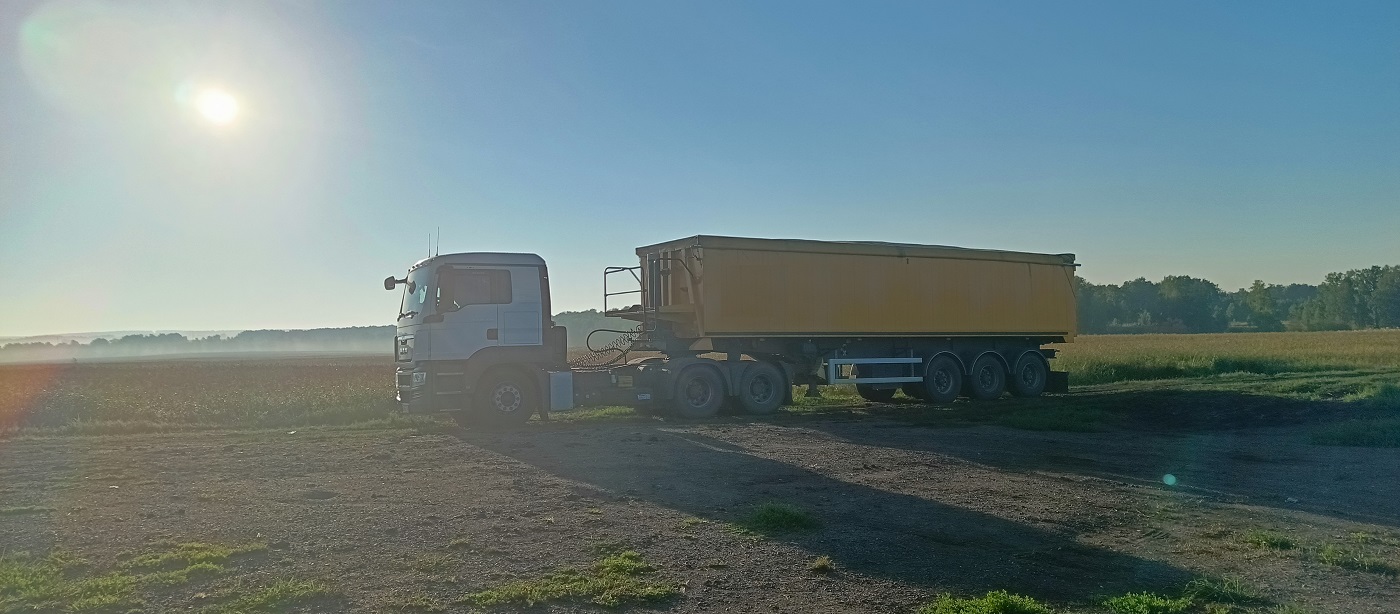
217	106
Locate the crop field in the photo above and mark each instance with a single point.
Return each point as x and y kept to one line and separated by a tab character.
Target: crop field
1245	473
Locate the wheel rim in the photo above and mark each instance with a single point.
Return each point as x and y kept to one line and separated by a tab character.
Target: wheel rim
1030	376
506	398
698	392
942	380
987	377
761	390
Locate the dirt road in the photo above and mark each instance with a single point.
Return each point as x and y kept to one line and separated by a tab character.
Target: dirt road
405	520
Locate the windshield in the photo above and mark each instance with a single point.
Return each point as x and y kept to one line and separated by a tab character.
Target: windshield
412	304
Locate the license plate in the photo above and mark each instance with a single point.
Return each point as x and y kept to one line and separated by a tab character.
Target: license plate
643	396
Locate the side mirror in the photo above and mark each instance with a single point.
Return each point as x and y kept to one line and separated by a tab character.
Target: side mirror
390	282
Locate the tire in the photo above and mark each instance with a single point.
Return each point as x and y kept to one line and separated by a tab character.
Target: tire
914	390
943	379
503	398
699	393
762	388
1029	376
986	379
870	392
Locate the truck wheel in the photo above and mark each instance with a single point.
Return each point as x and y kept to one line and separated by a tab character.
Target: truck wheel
988	378
503	398
943	379
762	388
699	392
914	391
868	391
1029	376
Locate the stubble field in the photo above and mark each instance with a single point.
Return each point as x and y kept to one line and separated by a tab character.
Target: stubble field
1192	473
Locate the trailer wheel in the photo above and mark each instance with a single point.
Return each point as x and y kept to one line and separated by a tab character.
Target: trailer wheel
699	392
869	392
503	398
943	379
762	388
1029	376
988	378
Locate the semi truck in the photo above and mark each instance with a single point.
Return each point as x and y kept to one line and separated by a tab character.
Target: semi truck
718	322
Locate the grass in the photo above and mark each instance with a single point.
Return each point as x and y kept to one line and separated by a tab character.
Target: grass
1222	590
24	510
1101	359
777	518
1363	553
1269	539
190	553
276	597
822	564
67	583
617	579
1147	603
996	602
1379	433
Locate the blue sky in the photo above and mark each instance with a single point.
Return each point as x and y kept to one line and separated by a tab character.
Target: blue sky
1230	141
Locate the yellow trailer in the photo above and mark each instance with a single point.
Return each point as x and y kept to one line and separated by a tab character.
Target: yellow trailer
934	321
711	286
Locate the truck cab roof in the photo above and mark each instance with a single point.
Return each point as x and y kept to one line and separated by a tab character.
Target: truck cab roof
481	258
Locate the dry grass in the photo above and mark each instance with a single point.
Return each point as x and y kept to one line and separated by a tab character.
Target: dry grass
1098	359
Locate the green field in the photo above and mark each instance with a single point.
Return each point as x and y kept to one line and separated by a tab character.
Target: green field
1154	381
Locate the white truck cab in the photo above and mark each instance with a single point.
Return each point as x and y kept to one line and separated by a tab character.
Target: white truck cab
474	330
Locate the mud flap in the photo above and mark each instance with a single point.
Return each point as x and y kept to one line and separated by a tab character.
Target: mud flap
1058	382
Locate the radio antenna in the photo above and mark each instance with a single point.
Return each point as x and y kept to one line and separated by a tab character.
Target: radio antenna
439	241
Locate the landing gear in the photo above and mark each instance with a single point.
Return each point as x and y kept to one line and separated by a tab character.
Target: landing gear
872	393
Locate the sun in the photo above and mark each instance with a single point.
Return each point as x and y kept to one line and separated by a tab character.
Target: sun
216	105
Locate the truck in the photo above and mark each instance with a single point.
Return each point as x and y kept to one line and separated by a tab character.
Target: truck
715	322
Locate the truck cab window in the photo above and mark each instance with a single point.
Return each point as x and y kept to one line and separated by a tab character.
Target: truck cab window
458	288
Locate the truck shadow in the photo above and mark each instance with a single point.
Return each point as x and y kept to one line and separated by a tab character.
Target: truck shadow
920	541
1225	446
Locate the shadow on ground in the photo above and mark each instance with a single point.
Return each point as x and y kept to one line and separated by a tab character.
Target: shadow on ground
908	539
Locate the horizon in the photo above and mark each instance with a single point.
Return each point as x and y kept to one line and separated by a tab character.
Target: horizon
262	165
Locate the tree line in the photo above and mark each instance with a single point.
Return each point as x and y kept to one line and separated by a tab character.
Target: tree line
1356	299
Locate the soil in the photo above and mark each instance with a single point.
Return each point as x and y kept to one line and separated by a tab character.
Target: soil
907	512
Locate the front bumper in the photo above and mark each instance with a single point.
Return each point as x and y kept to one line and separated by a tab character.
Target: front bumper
411	390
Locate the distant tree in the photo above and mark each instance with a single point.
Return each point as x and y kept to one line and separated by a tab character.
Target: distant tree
1385	300
1263	312
1196	303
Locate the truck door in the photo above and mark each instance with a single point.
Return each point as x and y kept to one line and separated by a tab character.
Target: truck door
522	317
469	298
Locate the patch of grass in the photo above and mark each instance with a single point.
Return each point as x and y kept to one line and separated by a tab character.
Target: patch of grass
822	564
1379	433
1147	603
190	553
1222	590
599	414
459	543
57	583
420	603
692	522
996	602
277	597
1355	560
1268	539
774	518
1073	419
24	510
617	579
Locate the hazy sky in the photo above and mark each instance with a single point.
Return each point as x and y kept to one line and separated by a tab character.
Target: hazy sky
1230	141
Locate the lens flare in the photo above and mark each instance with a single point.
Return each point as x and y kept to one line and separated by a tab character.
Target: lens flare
216	105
